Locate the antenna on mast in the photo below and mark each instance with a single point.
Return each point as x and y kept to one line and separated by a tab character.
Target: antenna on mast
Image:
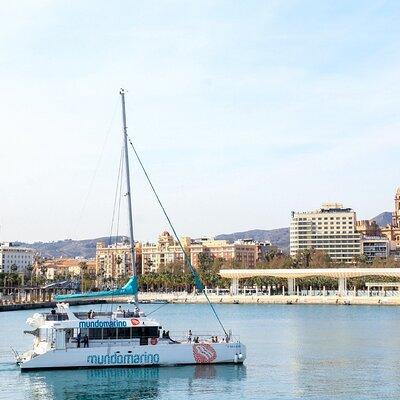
128	188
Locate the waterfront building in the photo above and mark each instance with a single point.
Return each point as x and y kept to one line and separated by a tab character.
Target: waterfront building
375	247
244	253
61	268
330	229
165	251
113	261
392	231
14	258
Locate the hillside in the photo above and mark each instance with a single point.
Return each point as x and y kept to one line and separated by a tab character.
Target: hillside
87	248
383	219
69	248
278	237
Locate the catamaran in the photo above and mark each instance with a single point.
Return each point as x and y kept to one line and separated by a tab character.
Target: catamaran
123	337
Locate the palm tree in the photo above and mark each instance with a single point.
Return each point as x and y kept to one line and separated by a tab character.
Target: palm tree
82	269
29	270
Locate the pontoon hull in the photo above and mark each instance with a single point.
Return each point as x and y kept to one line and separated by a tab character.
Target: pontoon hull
138	356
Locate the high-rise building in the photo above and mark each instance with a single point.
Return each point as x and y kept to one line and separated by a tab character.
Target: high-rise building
330	229
15	258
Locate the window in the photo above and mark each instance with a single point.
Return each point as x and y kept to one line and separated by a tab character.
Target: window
124	333
95	334
109	333
145	331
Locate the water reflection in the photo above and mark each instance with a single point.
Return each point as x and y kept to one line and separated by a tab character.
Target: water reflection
131	383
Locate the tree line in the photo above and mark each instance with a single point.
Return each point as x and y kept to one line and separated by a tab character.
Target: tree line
177	277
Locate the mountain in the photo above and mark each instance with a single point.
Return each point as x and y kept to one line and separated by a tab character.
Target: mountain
70	248
383	219
278	237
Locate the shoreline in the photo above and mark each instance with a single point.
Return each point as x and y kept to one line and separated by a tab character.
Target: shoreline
182	298
45	304
275	299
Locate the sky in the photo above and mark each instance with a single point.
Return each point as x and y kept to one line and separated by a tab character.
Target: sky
242	111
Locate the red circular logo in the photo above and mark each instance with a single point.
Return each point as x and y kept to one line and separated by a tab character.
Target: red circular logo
204	353
153	340
135	321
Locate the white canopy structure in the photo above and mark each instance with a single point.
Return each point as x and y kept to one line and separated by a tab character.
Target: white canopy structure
291	274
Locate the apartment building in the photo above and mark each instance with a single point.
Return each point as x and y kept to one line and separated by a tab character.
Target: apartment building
244	252
164	252
332	229
113	261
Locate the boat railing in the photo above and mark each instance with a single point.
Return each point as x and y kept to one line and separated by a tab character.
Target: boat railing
184	336
56	317
120	314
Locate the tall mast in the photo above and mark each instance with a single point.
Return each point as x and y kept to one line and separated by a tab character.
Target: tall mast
128	188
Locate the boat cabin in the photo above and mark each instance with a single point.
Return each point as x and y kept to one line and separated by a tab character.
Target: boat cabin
66	329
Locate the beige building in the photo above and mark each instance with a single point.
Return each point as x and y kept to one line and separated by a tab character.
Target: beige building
60	268
164	252
392	231
331	229
368	228
114	261
244	252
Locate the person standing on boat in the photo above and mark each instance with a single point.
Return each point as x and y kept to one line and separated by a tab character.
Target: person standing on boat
190	336
136	311
78	340
85	341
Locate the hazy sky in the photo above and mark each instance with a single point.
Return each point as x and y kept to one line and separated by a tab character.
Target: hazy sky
242	111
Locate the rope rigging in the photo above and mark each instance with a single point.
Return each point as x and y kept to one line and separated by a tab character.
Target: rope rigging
116	209
196	278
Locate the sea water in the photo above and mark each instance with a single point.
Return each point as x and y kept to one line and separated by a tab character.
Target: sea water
293	352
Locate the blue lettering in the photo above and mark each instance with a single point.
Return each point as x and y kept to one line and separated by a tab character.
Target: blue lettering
123	359
102	324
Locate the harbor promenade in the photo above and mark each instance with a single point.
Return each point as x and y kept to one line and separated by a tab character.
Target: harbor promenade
190	298
382	298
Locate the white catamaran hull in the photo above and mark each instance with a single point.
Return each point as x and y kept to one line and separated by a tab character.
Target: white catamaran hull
138	356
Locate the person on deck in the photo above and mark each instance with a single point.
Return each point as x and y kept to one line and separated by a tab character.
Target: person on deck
78	340
85	341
